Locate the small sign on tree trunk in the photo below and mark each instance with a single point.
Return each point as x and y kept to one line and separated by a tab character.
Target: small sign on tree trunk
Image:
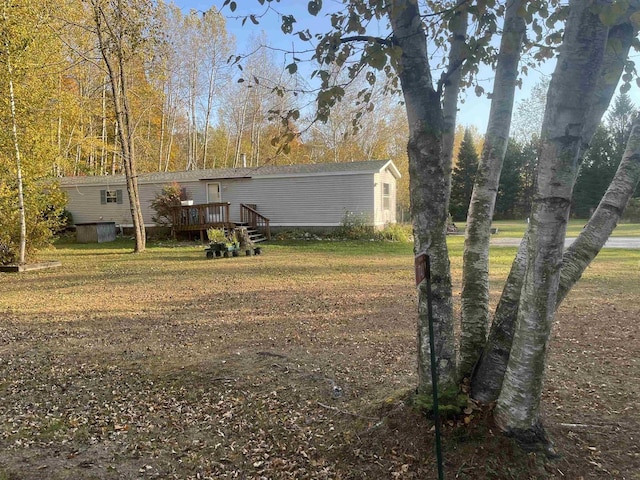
421	268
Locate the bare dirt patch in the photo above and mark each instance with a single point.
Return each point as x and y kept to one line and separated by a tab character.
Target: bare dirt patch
293	364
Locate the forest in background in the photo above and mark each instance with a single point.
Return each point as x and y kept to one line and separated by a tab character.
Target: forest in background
193	109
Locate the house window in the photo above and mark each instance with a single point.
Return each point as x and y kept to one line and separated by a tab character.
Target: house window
110	196
386	196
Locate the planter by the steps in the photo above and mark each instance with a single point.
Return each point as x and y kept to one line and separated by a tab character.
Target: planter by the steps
219	249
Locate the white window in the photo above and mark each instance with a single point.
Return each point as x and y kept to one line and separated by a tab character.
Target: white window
386	196
110	196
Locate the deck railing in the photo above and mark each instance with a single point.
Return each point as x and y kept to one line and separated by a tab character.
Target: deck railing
201	217
251	217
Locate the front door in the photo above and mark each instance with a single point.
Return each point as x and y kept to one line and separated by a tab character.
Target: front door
213	193
214	214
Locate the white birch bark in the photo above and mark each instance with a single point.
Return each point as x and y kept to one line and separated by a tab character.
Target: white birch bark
489	372
571	93
22	249
595	234
458	25
475	276
429	191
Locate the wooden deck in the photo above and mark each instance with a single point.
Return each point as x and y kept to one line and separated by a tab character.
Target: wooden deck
200	218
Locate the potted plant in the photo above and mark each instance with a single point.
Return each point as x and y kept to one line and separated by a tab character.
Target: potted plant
221	244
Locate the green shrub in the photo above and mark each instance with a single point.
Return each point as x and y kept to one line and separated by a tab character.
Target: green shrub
356	226
396	232
217	235
44	212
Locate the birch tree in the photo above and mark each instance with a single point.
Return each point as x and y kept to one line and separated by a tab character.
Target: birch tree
475	277
28	90
592	56
489	373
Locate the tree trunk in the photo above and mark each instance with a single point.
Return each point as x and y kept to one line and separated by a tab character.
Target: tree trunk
571	92
595	234
488	375
210	92
475	271
429	186
458	26
16	146
122	111
103	134
132	183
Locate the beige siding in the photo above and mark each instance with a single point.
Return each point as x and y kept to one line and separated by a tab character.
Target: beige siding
304	200
382	216
317	200
84	204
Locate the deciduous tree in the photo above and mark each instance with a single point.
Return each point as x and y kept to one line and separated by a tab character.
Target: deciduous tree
120	28
595	44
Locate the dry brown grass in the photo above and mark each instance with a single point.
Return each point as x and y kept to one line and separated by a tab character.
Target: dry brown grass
288	365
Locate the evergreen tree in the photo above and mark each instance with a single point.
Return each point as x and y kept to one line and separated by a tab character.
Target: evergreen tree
619	121
463	177
527	176
599	167
510	181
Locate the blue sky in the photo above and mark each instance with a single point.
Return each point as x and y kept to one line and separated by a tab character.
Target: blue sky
473	111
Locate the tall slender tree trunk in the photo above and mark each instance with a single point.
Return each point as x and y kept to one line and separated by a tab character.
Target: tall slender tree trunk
210	92
171	137
138	220
239	135
22	249
475	275
458	25
103	135
117	75
571	92
488	375
116	145
429	187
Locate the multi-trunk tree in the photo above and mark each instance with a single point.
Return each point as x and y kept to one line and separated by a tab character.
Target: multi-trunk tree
595	42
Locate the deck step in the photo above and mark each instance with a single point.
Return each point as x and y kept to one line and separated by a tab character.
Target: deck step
255	235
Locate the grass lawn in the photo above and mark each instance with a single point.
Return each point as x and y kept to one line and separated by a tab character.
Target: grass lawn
293	364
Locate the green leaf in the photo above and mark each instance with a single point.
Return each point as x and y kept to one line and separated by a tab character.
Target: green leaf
287	23
314	7
292	68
